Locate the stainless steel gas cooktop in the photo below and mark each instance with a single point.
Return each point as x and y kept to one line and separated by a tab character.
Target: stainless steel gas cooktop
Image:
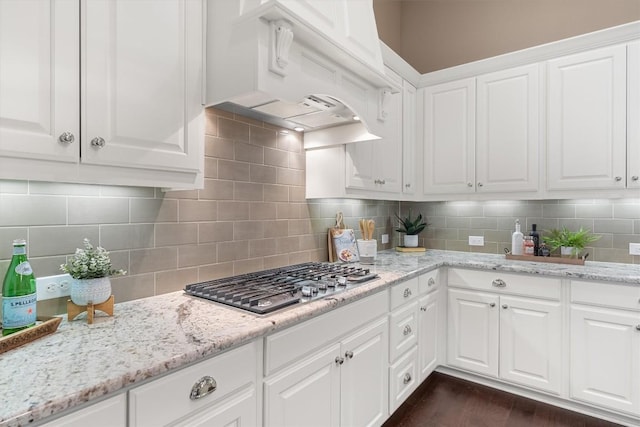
270	290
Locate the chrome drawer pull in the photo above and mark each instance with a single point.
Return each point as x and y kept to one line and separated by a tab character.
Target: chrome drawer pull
206	385
349	354
431	282
407	293
98	142
407	330
499	283
66	138
493	304
339	360
638	327
423	308
407	378
505	306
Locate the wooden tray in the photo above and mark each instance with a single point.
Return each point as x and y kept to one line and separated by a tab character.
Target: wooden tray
551	259
405	249
44	326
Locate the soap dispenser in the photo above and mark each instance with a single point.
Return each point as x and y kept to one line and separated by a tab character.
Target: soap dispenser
516	240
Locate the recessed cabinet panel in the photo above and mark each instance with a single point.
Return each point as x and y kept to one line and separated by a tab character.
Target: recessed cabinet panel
633	115
507	130
449	137
409	139
586	147
39	91
142	88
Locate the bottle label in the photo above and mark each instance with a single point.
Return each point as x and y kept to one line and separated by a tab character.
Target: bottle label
18	312
24	268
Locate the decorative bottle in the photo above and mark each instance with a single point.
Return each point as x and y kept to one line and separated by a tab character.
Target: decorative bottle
516	240
18	292
536	239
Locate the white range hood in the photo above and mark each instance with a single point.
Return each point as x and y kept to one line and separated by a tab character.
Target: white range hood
313	64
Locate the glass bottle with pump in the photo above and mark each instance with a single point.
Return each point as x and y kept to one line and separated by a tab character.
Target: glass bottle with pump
516	240
18	292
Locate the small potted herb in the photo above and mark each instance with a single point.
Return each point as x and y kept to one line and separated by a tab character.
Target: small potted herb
570	243
90	268
411	227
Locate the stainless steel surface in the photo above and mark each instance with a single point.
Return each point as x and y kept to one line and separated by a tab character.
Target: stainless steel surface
499	283
263	292
203	387
66	138
98	142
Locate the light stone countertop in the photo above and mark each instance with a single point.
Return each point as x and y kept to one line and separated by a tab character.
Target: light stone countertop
155	335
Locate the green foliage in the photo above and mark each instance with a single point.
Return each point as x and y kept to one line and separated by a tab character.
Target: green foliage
90	263
564	237
411	226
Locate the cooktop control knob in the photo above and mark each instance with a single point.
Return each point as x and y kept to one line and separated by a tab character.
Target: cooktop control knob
342	281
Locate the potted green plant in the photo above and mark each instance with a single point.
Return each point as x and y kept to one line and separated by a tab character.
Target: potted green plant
570	243
411	227
90	268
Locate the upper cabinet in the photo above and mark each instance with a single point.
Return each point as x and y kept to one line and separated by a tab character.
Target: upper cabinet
102	92
633	115
586	146
481	134
409	137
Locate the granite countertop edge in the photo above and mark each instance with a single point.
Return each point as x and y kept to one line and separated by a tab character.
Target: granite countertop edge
153	346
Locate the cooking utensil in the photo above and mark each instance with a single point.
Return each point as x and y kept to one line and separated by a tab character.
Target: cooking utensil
371	226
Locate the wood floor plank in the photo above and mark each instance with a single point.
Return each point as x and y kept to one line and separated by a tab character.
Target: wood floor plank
445	401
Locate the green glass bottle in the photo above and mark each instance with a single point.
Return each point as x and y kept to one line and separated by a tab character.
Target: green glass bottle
18	292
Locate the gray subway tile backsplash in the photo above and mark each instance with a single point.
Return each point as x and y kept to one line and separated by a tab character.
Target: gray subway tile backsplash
253	214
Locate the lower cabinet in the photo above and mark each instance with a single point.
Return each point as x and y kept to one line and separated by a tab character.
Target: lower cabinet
511	337
218	391
605	345
111	412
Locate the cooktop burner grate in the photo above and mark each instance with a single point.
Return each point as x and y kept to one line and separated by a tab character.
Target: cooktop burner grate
270	290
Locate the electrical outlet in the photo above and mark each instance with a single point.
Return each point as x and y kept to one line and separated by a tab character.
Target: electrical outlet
385	239
53	286
476	240
634	248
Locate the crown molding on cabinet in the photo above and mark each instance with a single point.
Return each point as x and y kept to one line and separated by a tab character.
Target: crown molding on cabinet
394	61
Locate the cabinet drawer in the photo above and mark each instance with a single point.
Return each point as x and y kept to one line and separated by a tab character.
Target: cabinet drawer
606	294
403	377
168	398
404	330
429	282
404	292
495	281
283	348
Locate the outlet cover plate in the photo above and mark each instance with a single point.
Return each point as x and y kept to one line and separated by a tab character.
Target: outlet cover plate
50	287
476	240
385	239
634	248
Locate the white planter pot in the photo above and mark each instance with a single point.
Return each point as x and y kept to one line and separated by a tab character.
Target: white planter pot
567	252
95	291
411	240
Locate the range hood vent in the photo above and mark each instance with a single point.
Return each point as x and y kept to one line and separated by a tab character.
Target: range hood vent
272	60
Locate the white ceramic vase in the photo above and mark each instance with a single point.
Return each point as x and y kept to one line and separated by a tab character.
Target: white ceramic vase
411	240
95	291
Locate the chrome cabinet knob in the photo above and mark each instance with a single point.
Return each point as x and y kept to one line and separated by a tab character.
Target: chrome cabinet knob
407	293
431	281
339	360
638	327
348	354
383	182
204	386
98	142
493	304
66	138
469	184
423	308
407	378
406	331
618	178
499	283
505	306
480	184
407	185
635	178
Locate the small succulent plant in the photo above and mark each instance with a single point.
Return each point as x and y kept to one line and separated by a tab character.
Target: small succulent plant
90	263
411	226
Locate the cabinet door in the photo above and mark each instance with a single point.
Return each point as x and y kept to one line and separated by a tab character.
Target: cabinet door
237	410
364	377
473	331
449	137
531	343
142	84
605	358
507	131
428	334
39	80
111	412
633	112
586	146
307	394
409	140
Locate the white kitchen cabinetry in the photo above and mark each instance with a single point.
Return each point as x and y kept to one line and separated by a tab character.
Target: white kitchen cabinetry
115	98
508	327
218	391
481	134
633	112
111	412
377	165
586	147
409	138
320	374
605	345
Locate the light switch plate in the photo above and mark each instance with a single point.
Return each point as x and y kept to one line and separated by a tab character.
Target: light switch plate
384	239
476	240
634	248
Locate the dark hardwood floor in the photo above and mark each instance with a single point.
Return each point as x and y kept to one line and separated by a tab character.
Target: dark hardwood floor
446	401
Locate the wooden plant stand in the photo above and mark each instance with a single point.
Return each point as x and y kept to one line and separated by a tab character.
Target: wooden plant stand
74	310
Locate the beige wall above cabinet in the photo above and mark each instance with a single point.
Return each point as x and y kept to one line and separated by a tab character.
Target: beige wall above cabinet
481	134
114	98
